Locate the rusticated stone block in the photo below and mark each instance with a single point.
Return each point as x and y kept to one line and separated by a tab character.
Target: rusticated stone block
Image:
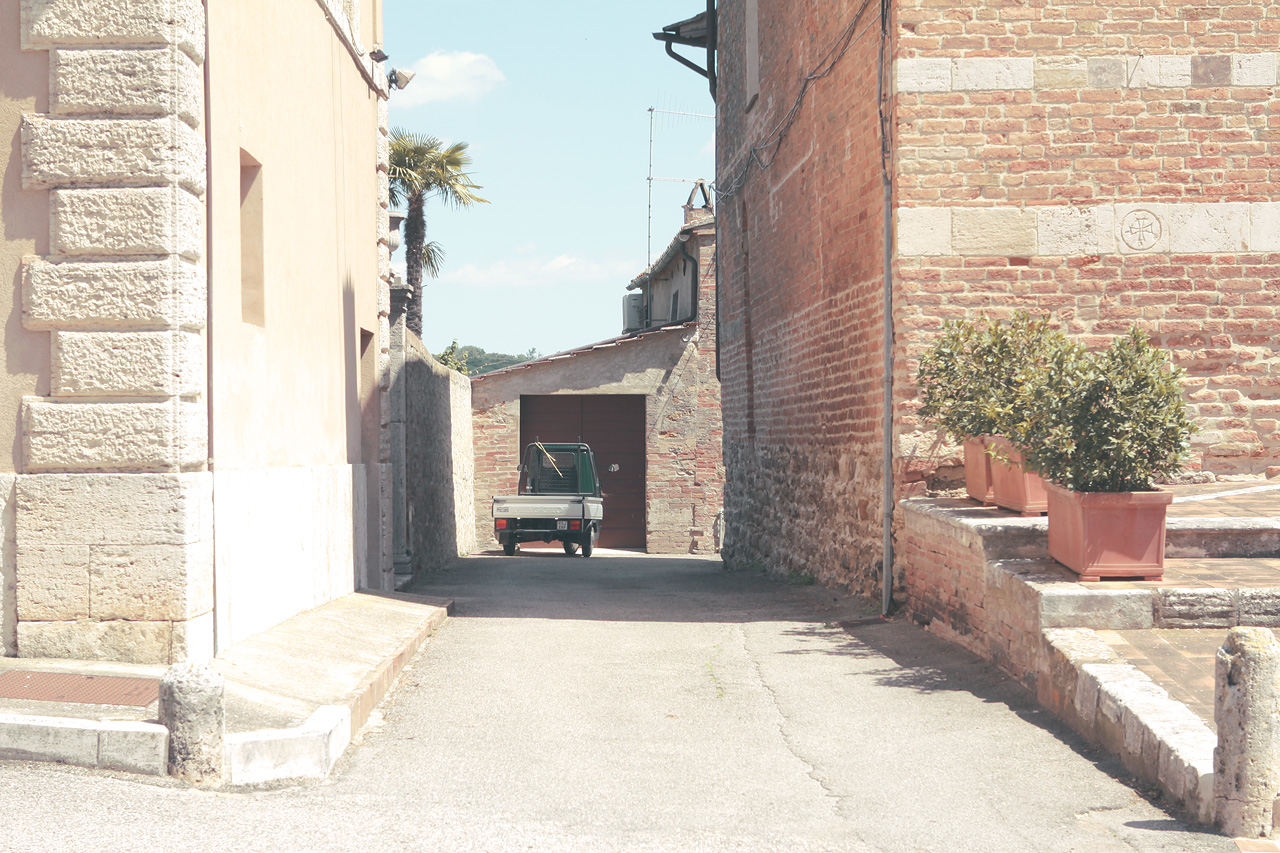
140	364
126	294
1195	608
1258	607
384	153
62	436
113	509
193	638
53	583
151	583
57	23
70	152
119	640
160	82
134	221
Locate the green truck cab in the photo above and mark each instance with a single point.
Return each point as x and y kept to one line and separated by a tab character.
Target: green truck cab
559	500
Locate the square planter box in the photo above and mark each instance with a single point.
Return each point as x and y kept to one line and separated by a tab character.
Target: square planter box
1108	534
1015	488
977	471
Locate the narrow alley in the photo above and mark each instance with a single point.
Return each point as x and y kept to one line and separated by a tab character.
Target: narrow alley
630	702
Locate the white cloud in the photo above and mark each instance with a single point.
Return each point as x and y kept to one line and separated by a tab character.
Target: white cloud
541	271
450	75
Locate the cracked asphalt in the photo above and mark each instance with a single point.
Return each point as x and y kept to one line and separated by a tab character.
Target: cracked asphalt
636	703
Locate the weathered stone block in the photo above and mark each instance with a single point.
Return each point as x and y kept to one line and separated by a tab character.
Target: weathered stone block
1264	226
1258	607
384	190
57	23
53	583
992	73
384	152
1246	762
127	642
139	364
993	231
135	221
1072	231
1211	70
1195	608
1076	608
193	709
70	152
923	75
1107	72
151	583
160	82
113	509
63	436
1163	71
1061	72
127	294
1199	228
1254	69
923	231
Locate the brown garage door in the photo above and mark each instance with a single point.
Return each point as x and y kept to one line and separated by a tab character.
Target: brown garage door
613	424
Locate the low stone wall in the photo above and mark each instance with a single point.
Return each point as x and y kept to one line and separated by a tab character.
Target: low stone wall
440	463
984	582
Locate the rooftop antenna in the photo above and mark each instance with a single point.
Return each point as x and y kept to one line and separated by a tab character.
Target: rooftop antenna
648	261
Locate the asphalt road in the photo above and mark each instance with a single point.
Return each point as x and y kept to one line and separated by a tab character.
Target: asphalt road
642	703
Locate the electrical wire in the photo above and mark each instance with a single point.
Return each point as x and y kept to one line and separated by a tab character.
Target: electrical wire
760	155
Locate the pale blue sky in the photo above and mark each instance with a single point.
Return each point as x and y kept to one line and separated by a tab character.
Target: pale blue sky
553	98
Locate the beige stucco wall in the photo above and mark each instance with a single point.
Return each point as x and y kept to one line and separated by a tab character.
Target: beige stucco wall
24	230
289	459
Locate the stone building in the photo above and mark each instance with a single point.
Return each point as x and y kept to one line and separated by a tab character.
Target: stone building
1104	163
194	272
648	403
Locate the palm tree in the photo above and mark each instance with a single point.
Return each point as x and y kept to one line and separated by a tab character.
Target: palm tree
421	167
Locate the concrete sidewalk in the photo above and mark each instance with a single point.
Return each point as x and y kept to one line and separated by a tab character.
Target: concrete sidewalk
296	694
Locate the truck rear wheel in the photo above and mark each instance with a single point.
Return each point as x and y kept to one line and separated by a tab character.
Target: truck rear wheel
570	547
588	543
509	547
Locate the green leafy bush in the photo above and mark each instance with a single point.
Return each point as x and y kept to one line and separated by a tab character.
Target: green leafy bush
971	378
1102	422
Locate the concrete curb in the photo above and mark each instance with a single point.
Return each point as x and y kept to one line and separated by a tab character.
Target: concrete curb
110	745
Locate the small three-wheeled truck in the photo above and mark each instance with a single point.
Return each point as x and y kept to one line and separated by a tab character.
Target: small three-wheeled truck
559	500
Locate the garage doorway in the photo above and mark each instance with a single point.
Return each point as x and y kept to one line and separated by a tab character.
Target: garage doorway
613	424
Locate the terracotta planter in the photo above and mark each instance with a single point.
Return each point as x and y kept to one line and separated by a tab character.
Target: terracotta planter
977	471
1108	534
1015	488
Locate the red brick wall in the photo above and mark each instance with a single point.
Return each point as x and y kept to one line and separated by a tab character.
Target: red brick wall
1107	163
800	299
1161	105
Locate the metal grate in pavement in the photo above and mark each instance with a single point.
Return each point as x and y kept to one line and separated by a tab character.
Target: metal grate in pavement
75	687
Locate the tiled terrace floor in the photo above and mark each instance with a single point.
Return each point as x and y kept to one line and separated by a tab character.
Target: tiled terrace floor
1181	660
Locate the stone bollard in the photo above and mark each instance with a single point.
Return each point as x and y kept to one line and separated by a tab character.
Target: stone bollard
1246	762
192	709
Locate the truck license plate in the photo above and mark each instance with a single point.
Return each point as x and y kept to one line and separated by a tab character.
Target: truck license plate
562	525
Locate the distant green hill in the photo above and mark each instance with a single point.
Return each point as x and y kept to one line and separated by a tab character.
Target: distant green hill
474	361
